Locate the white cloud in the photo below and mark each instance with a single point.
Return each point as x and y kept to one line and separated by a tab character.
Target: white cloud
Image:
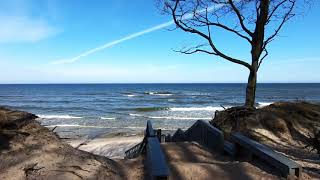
24	29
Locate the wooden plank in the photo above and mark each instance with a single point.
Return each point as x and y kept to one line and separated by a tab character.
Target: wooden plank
157	164
285	165
179	136
206	135
229	148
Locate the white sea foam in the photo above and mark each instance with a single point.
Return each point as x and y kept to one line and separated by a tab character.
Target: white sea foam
171	117
130	95
159	93
263	104
132	127
75	125
64	125
139	115
107	118
208	108
177	118
163	94
151	93
58	117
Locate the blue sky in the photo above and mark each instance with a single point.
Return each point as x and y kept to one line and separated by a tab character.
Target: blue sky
35	35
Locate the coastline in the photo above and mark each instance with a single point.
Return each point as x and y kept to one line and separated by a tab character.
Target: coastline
32	151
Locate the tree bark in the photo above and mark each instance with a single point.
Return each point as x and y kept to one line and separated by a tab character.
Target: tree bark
256	50
251	89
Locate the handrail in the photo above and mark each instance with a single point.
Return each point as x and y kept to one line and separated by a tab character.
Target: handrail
136	150
156	163
149	130
285	165
139	148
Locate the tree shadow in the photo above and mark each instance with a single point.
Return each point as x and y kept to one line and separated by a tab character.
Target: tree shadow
210	164
4	141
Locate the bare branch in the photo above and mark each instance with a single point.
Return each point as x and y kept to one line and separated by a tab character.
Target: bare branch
264	56
275	9
231	30
208	23
193	50
240	18
285	18
182	25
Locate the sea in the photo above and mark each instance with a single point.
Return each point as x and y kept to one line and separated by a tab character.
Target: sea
91	110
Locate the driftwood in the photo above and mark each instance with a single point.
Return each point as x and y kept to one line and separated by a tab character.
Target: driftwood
52	130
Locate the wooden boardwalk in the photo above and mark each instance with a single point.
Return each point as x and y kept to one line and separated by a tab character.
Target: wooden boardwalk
201	152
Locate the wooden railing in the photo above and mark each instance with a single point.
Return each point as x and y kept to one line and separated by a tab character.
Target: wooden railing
156	162
136	150
286	166
203	133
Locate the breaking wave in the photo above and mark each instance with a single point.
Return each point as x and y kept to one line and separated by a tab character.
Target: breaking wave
58	117
263	104
208	108
171	117
137	115
179	118
159	93
107	118
149	109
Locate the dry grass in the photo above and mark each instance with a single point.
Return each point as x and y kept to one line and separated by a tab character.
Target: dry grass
284	126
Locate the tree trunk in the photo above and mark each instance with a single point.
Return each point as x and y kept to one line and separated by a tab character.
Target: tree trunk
251	89
251	86
256	50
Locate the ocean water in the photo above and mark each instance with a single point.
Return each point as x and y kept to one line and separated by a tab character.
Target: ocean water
90	110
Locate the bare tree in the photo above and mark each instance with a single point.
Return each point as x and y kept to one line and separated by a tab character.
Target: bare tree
257	22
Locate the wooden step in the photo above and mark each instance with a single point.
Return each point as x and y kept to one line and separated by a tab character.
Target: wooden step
199	171
190	160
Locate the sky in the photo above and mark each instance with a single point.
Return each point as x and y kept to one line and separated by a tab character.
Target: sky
118	41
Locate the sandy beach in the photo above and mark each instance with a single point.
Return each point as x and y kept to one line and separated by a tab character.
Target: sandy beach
111	147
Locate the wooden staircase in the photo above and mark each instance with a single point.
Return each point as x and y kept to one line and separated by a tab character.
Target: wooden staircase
201	153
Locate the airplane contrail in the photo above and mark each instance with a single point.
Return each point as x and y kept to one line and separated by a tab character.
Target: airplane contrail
131	36
112	43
